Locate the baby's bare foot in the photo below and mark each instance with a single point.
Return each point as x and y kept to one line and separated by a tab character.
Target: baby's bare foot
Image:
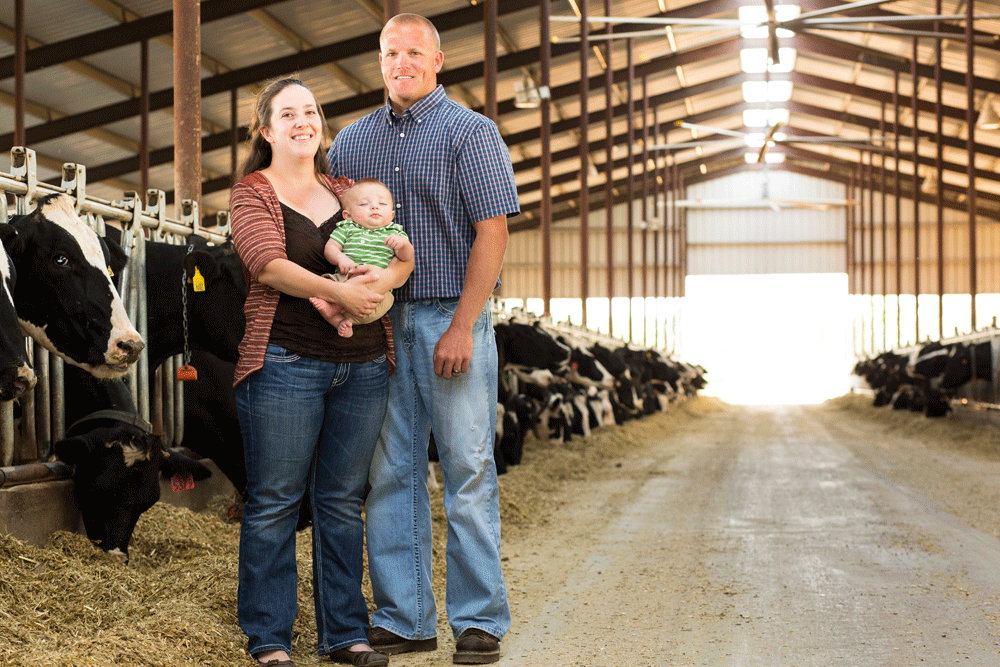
346	329
330	312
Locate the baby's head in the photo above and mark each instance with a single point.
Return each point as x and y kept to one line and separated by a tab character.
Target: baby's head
368	203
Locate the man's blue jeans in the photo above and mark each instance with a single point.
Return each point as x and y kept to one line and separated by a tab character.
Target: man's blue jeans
306	424
462	414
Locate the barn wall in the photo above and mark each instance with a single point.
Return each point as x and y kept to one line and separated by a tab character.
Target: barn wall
761	240
736	241
522	276
956	250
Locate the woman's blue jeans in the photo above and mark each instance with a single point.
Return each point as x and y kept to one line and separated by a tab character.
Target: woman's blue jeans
306	424
462	414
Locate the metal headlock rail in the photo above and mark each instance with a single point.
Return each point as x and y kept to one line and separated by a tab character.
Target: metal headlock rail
43	410
502	313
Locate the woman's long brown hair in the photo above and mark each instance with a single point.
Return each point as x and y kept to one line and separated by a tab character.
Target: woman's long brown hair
260	149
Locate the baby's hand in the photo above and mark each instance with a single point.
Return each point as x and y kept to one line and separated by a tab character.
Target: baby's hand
345	266
399	244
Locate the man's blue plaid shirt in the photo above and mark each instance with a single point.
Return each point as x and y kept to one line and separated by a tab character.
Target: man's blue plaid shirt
447	168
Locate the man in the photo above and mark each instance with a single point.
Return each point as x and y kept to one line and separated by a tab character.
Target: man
451	177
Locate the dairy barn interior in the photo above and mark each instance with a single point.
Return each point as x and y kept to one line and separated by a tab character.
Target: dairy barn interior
785	204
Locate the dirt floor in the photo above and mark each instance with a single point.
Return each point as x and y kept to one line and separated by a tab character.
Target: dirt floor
712	535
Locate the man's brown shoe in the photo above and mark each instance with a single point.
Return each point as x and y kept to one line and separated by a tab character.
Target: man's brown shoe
389	643
476	647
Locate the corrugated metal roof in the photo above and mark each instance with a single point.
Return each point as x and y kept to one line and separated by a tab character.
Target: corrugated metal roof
281	29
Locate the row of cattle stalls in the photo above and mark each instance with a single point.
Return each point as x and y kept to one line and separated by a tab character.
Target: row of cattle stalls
24	459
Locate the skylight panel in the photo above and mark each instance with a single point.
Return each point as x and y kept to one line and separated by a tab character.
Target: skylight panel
764	118
755	61
762	91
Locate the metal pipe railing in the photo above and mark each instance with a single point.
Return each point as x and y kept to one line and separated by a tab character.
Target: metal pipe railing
43	418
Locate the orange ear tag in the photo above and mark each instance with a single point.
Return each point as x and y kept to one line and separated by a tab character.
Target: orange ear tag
185	373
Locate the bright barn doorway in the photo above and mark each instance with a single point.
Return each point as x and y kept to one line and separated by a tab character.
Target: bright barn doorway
769	339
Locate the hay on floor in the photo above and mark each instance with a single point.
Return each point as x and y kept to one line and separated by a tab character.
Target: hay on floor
68	604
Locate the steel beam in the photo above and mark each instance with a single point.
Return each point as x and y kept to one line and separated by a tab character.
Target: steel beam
545	130
117	36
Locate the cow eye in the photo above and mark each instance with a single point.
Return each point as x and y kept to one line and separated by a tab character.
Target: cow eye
61	260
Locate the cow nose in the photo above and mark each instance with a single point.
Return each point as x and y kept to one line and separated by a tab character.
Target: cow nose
22	384
131	348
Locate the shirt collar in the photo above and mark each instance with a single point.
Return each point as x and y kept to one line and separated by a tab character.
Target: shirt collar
420	109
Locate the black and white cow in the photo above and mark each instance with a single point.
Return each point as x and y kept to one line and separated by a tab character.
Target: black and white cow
64	296
117	460
529	347
963	361
214	326
215	320
929	361
625	400
16	375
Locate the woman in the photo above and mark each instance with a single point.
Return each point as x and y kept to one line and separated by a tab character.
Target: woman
310	403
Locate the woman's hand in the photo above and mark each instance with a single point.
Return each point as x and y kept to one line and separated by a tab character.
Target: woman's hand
364	270
356	296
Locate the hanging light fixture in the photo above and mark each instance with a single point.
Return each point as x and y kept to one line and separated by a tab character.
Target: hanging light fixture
989	118
526	94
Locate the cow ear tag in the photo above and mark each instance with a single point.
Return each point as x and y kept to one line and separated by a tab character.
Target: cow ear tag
185	373
110	272
198	281
183	482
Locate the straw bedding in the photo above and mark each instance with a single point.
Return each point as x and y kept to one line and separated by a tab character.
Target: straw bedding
68	604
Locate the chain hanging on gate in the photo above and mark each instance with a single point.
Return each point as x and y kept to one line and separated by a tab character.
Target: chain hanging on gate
187	371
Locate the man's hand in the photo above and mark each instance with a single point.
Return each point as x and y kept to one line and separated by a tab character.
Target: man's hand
452	353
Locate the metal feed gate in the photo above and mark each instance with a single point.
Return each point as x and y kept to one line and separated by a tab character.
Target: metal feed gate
25	459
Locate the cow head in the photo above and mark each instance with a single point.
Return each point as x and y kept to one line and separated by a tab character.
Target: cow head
214	307
585	369
64	295
959	367
218	320
117	477
16	375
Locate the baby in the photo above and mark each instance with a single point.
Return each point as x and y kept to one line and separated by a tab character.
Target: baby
366	236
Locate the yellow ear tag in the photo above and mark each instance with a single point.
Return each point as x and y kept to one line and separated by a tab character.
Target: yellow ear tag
198	280
110	272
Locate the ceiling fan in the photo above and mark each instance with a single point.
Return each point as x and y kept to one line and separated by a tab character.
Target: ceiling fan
764	201
770	137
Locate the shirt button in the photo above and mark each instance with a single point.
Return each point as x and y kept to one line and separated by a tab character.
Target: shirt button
402	134
399	206
397	169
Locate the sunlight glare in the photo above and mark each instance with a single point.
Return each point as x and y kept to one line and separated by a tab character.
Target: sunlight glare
769	339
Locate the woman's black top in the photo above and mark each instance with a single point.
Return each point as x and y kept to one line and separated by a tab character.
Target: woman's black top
298	326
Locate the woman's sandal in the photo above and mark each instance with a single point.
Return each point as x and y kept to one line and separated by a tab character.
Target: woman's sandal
361	658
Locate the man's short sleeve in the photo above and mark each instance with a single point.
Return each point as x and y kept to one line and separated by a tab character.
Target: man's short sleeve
486	175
